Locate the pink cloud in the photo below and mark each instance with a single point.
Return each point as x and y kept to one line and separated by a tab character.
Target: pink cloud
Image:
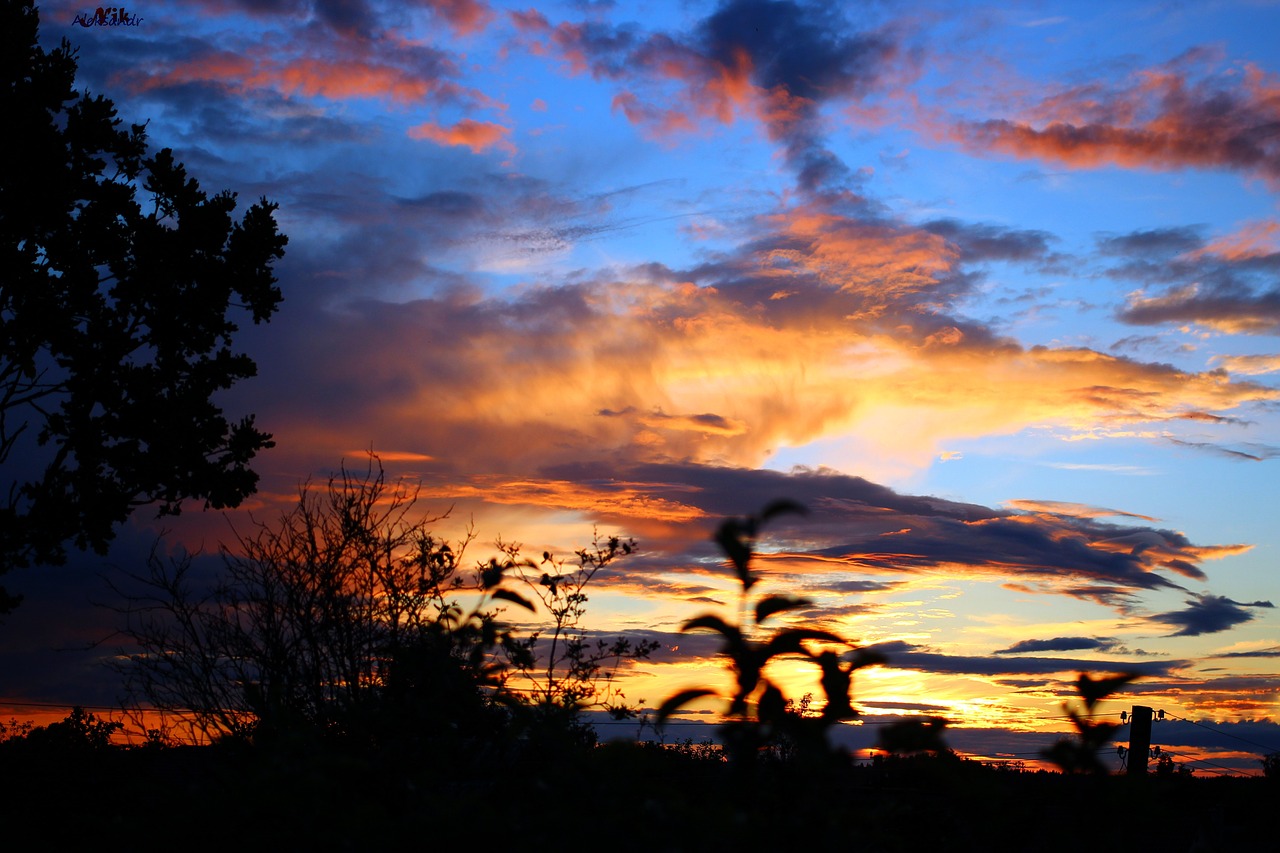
334	77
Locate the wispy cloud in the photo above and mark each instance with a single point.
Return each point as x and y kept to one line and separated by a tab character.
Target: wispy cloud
1249	365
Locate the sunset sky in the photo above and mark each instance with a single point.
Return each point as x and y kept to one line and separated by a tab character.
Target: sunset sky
993	289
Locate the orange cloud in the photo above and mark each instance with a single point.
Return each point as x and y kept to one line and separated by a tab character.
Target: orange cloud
476	135
333	78
882	263
509	402
1163	119
391	455
1249	365
345	79
1254	240
632	502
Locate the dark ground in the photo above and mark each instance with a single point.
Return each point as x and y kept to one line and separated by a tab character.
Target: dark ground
303	795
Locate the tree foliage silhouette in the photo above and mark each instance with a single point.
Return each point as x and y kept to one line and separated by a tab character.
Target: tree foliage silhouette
123	284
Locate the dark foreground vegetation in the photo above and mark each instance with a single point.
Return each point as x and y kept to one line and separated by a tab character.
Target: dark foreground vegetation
457	731
449	789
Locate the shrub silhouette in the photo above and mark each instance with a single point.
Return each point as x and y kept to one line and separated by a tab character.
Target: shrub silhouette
346	617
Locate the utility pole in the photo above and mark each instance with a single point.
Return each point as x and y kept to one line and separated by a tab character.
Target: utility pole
1139	740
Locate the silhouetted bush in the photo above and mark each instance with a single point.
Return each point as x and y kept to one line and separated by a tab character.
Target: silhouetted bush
346	618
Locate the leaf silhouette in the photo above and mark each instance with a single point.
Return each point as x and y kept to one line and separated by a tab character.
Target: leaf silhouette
790	641
836	683
491	575
783	507
1092	691
684	697
772	604
514	598
773	705
714	623
729	538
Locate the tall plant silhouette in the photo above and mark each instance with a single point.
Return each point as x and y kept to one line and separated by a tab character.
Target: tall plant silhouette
576	671
758	713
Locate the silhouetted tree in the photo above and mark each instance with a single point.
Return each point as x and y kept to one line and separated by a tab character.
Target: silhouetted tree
121	283
80	732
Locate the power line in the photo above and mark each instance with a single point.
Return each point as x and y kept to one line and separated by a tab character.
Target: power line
58	705
1269	749
1223	769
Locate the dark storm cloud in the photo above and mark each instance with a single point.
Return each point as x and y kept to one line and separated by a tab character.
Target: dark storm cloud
1059	644
357	18
1208	614
983	242
1157	243
906	706
1228	283
448	204
806	49
348	17
861	586
854	525
780	60
902	655
1230	309
801	56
